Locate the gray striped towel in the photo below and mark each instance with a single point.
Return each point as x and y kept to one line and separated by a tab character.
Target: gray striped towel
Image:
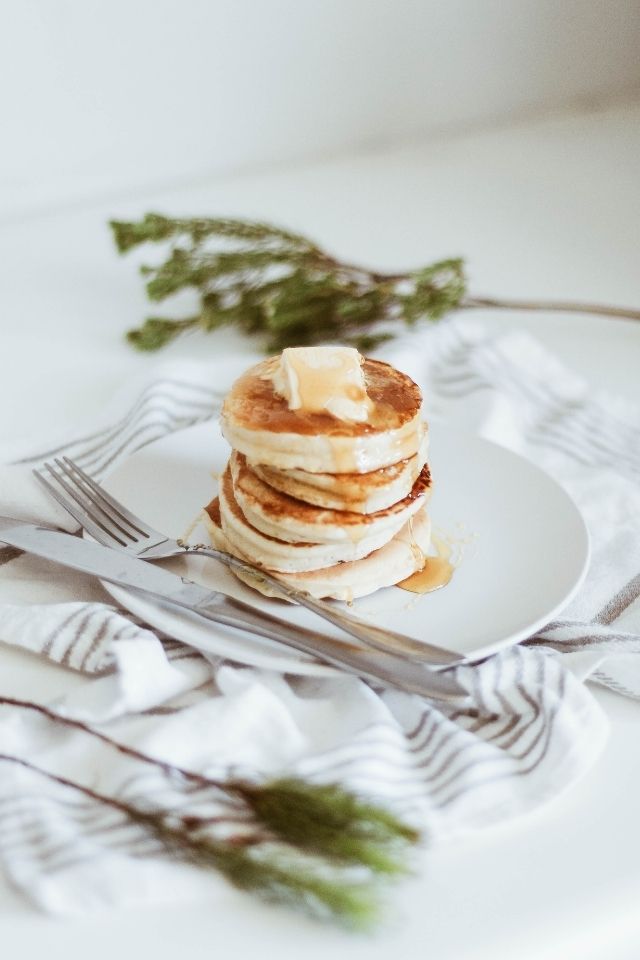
532	729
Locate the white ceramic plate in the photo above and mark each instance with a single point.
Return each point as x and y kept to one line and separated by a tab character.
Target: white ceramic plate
524	545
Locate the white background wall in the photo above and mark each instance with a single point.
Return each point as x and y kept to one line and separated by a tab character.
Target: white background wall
107	97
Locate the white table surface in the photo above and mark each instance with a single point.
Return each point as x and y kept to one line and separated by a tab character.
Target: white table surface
548	208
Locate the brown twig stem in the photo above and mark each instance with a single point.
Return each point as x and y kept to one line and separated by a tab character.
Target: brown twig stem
553	306
168	768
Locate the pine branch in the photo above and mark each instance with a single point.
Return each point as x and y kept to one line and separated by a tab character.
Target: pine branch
307	838
273	871
279	286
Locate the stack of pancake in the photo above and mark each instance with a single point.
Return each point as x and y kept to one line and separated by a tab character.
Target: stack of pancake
334	507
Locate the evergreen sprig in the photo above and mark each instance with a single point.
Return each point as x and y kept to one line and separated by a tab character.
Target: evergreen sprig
312	846
279	285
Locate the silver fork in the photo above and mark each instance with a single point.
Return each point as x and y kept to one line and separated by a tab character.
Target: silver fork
110	523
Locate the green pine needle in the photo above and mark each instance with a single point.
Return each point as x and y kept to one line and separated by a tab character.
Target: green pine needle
157	331
276	872
279	286
329	821
155	227
276	876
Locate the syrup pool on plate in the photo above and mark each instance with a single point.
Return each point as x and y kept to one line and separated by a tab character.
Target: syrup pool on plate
437	570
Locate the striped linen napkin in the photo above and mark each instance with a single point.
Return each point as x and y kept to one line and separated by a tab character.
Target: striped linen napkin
532	729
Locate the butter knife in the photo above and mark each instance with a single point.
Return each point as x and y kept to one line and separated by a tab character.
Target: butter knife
132	573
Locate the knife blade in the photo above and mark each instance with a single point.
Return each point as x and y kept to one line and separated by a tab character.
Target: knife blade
212	605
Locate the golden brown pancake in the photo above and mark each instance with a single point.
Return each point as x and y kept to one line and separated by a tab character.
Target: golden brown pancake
279	515
274	553
356	492
396	560
258	422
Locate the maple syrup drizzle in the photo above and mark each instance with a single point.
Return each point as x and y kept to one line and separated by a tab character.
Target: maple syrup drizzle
436	573
343	456
194	523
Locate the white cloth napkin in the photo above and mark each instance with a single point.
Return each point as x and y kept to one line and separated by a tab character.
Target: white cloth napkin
533	727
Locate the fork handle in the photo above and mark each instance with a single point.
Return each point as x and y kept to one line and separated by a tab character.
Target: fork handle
388	641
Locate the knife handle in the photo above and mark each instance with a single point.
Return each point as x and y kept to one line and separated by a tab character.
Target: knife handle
373	665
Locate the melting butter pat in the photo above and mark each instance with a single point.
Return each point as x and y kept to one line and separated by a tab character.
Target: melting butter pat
323	380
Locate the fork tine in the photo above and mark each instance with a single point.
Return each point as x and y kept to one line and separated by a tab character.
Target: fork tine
89	499
103	497
77	511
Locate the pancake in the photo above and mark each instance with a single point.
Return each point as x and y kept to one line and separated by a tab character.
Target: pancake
286	518
258	422
356	492
285	556
402	556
